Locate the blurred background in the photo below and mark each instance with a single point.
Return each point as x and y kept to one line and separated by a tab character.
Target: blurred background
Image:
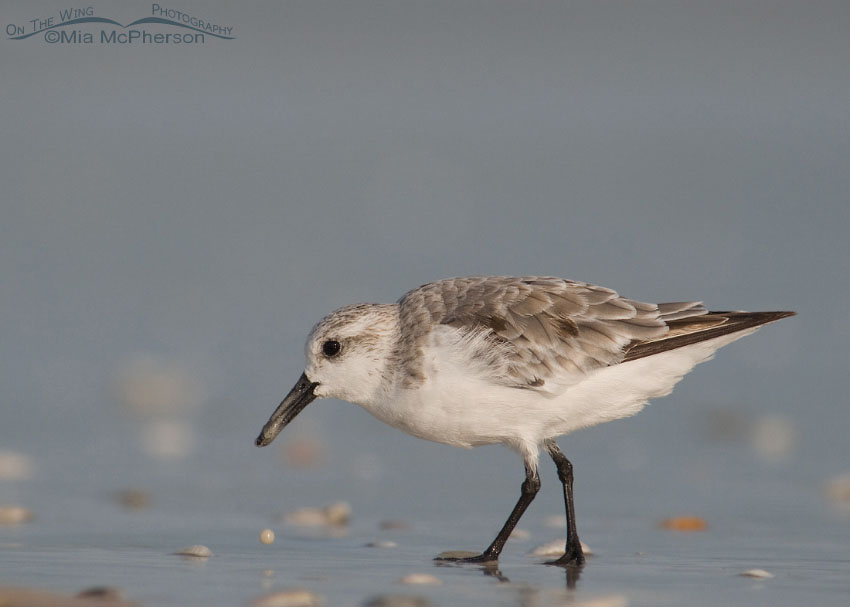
176	217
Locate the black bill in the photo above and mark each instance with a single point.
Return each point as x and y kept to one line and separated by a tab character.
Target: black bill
299	397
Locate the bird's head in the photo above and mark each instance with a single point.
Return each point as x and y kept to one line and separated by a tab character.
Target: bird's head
347	357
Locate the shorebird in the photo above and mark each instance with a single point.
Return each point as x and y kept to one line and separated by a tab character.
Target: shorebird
518	361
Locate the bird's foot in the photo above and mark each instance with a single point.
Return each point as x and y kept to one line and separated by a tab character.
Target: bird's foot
573	555
571	558
462	556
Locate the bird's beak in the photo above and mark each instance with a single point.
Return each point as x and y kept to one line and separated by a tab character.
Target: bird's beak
301	395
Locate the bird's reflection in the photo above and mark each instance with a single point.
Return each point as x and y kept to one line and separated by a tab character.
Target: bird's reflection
491	569
572	573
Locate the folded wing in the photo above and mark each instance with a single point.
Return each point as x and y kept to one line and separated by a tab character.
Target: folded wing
552	331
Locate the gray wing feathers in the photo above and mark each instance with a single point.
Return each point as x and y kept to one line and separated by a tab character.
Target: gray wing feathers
675	310
553	328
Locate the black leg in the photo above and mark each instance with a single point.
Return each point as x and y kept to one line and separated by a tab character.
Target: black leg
530	487
572	554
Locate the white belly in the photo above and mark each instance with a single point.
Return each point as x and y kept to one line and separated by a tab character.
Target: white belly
456	408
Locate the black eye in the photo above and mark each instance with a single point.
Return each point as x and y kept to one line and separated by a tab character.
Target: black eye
330	348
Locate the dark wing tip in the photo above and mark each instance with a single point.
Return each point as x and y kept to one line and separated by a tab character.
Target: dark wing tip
727	322
756	318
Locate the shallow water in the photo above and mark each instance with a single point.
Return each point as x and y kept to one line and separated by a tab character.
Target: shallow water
668	570
769	515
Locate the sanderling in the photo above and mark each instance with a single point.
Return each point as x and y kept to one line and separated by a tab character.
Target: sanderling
517	361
